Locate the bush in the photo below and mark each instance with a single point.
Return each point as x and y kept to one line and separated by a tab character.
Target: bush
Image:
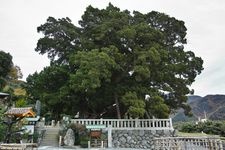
2	131
84	141
80	133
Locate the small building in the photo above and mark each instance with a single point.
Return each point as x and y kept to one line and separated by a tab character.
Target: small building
21	112
30	124
4	97
28	114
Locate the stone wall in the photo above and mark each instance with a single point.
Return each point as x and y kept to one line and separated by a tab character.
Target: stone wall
137	138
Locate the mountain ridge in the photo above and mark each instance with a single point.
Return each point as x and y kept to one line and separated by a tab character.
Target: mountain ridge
211	105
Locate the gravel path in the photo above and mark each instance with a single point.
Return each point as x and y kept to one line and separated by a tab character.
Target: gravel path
60	148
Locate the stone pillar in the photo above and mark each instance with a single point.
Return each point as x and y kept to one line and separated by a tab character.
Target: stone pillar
221	145
53	123
58	124
89	144
60	141
110	136
101	121
136	122
102	144
171	124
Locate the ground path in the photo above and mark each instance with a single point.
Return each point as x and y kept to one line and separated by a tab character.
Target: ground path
60	148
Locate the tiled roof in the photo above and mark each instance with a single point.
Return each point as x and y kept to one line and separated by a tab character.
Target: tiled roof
21	112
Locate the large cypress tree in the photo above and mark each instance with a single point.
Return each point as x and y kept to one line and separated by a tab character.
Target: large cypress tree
133	61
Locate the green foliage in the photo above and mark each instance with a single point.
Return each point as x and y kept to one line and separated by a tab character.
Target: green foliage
6	63
9	78
209	127
21	102
47	86
2	126
37	135
2	131
188	127
5	66
88	76
80	133
156	107
136	107
84	141
111	53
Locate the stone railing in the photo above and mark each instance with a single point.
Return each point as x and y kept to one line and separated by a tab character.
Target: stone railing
151	124
15	146
194	143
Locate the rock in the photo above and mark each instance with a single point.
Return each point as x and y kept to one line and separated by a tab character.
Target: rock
122	140
159	132
69	138
153	132
142	132
127	145
144	142
132	141
128	139
143	139
136	146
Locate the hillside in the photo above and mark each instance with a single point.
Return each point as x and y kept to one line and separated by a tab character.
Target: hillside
212	105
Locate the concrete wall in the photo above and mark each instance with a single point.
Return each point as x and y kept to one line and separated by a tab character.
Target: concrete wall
137	138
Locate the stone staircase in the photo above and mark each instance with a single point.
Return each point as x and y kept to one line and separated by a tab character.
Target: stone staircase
51	137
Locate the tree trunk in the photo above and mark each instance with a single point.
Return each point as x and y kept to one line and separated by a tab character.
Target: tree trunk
147	115
117	106
8	133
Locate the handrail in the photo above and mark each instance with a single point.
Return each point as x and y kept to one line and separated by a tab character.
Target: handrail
16	146
188	143
128	123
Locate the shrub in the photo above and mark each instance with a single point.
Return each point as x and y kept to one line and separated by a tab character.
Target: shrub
209	127
80	133
84	141
2	131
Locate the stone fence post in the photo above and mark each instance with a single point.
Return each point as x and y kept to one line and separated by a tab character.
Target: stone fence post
110	136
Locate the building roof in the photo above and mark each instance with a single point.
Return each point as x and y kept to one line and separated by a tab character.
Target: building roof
21	112
3	95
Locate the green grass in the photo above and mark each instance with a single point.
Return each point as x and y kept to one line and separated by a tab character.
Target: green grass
183	134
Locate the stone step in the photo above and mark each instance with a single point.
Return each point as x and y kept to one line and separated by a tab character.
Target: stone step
50	137
49	143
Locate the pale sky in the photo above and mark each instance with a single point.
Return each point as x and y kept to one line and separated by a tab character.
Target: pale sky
204	19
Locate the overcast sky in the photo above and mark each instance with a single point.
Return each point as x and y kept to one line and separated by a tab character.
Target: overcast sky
204	19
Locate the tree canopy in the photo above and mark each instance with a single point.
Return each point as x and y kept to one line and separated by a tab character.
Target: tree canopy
9	83
5	67
9	77
115	58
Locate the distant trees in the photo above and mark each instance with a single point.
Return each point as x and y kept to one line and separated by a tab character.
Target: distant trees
9	83
8	71
10	75
114	58
6	65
